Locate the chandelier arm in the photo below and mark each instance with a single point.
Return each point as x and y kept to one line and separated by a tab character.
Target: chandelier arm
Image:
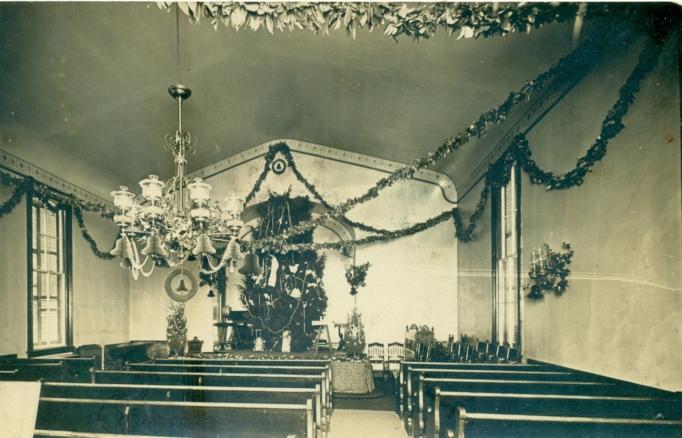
214	268
148	273
173	264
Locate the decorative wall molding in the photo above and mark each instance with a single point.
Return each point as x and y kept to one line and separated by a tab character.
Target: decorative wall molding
22	167
439	179
531	116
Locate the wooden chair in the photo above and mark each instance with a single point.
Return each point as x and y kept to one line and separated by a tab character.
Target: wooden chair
376	355
514	355
503	353
396	354
482	351
492	352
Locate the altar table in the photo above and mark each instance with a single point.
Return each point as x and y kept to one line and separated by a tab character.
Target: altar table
353	377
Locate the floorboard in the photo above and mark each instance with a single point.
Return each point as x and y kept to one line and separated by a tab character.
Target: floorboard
354	423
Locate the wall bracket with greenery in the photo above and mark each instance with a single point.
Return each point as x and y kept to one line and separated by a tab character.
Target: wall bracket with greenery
549	272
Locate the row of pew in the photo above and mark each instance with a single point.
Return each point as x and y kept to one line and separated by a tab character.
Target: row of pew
438	399
203	398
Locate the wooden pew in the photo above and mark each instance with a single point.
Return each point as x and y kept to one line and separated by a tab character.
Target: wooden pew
9	374
55	372
292	363
42	433
215	379
424	399
446	402
405	371
253	361
224	369
495	373
412	375
212	394
486	424
77	369
172	418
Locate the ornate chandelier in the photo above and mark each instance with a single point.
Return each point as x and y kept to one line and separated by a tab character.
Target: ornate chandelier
175	219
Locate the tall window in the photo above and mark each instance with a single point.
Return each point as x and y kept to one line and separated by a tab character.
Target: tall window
49	276
506	302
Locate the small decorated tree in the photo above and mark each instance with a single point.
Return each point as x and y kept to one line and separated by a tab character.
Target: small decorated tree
176	330
355	334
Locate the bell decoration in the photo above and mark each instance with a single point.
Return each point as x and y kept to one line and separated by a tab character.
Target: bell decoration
203	246
182	287
210	293
121	248
155	247
232	253
251	266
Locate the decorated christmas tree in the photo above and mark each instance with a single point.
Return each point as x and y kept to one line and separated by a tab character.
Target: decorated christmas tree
289	294
176	330
355	334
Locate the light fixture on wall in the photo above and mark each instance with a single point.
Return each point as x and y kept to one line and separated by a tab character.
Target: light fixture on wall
175	219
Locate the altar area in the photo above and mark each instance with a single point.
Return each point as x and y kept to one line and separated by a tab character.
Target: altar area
349	376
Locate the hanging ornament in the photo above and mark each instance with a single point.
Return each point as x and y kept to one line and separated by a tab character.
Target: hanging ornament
232	254
274	267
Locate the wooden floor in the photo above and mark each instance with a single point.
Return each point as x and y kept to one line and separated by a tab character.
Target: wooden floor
353	423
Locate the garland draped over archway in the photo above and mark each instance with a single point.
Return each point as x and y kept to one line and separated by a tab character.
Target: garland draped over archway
418	22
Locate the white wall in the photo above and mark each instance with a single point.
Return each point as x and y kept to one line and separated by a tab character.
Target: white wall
412	280
100	287
621	313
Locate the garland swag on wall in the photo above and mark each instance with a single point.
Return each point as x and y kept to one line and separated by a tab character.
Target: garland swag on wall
577	62
28	186
495	177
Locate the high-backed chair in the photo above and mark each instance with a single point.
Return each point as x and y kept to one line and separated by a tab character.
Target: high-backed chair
514	355
396	354
376	356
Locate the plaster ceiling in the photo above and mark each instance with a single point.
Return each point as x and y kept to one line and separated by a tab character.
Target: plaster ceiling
90	79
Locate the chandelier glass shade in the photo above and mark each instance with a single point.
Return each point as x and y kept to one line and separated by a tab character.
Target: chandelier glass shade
176	219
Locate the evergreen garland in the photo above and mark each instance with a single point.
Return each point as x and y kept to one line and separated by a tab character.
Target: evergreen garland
577	62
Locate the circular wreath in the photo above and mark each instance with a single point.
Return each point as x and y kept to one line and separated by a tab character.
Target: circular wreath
174	294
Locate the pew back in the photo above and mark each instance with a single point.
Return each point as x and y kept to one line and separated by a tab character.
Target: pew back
477	424
442	417
196	419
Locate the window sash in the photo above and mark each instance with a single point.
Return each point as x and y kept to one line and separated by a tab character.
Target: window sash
49	278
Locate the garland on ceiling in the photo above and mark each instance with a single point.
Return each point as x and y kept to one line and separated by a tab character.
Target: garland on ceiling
416	21
496	176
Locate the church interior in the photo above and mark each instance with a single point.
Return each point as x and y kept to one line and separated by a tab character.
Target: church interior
340	220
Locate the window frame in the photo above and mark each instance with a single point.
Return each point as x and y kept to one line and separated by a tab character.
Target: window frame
498	240
68	266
